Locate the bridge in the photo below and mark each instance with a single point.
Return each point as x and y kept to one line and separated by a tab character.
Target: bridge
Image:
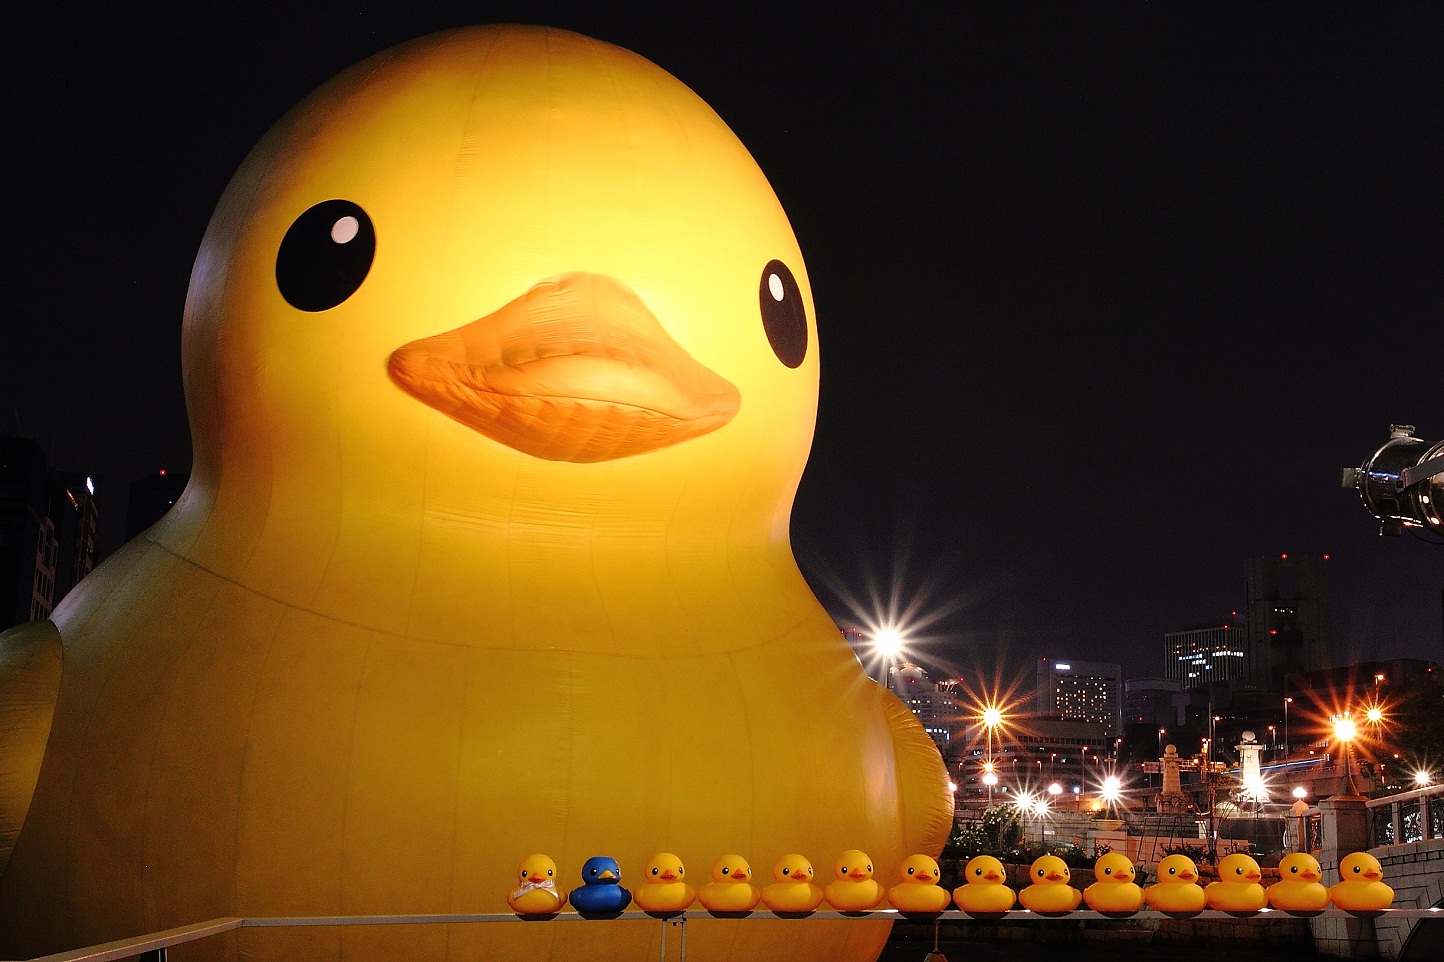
1405	833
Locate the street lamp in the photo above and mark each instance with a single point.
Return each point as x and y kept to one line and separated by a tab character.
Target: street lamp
1274	739
1422	778
992	718
1287	703
1345	731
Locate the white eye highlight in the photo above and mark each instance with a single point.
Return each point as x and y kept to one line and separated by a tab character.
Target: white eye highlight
774	287
345	229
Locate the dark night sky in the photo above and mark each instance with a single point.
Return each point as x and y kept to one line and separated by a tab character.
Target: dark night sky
1107	293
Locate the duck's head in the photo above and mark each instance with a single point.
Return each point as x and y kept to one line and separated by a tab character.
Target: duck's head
792	868
664	867
537	869
918	868
853	866
497	284
601	870
1048	870
731	868
1299	867
1177	868
984	870
1113	867
1238	868
1360	866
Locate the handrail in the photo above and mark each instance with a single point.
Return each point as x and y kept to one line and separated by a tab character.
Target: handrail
129	948
1428	791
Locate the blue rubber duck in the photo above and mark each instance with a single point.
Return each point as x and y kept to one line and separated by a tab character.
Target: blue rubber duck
601	892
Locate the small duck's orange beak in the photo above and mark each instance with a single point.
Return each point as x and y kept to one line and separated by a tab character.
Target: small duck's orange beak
993	877
1054	877
1309	875
1373	875
608	875
857	875
924	876
668	875
576	369
1187	876
1253	876
536	877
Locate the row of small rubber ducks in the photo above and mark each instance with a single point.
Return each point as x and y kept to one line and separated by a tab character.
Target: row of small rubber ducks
663	890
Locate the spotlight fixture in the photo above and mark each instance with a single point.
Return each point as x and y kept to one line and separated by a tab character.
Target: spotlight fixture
1402	483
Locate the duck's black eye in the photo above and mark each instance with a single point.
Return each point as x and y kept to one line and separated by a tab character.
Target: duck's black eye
783	316
1040	873
1356	870
911	871
549	871
1294	869
1173	871
788	871
1107	871
726	871
656	871
325	255
977	871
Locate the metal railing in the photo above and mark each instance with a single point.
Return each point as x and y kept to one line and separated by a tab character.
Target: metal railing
1413	816
155	944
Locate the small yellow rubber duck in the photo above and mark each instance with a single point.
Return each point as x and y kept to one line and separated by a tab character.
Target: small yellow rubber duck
793	890
663	891
985	888
919	892
1237	888
1114	892
1359	888
1298	889
854	889
537	894
1050	893
1177	891
731	888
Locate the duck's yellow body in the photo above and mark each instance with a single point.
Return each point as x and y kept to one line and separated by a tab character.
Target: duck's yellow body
1298	889
1360	887
731	888
1050	893
461	526
985	890
792	889
1177	890
1114	891
1237	888
918	892
663	889
854	889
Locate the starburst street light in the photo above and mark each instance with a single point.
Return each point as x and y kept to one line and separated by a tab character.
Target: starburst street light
1346	731
888	642
1423	778
1375	715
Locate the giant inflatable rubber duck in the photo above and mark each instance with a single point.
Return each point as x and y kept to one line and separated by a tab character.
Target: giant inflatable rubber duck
501	364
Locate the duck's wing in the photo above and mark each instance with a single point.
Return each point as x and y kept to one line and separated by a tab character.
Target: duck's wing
922	779
30	662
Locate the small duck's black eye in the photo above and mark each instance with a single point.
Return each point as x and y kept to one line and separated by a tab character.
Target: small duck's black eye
787	871
726	871
1173	871
1294	869
1040	873
1238	871
325	255
977	871
1107	871
656	871
844	870
1356	870
783	316
911	871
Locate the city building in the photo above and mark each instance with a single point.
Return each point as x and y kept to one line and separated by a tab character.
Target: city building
1082	690
1032	753
935	705
1149	701
1286	607
48	522
1211	652
150	498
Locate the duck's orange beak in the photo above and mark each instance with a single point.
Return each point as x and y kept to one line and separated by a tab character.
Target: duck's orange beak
1055	877
1309	875
993	877
668	875
576	369
1187	876
1373	874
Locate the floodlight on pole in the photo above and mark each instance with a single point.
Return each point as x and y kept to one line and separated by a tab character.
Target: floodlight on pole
1346	731
888	642
1423	778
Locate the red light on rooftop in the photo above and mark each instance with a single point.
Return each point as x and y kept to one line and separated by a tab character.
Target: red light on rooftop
1326	557
1273	631
1284	556
162	472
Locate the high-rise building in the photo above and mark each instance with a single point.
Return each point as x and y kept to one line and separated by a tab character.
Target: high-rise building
1211	652
1289	627
935	705
1149	701
48	523
1086	690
